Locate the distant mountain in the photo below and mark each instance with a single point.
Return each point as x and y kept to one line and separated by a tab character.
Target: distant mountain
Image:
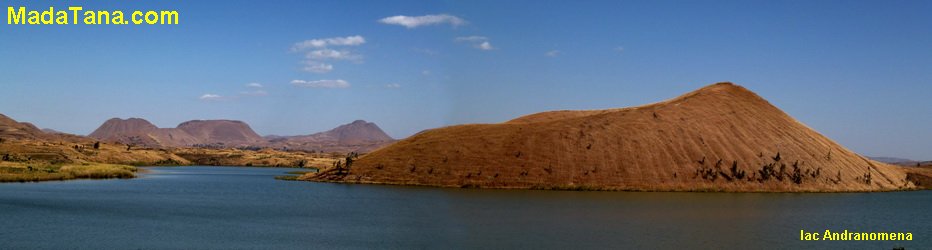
359	131
902	161
227	132
137	131
358	136
892	160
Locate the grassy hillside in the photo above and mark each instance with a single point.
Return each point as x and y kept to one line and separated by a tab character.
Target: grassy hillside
722	137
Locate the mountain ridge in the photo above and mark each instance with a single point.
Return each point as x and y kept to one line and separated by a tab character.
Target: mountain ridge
357	136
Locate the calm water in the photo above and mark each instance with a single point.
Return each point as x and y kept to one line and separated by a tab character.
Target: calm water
222	207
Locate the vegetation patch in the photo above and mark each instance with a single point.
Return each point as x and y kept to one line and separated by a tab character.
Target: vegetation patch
28	172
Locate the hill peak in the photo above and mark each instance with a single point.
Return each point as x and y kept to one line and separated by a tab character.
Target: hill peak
192	122
118	126
722	87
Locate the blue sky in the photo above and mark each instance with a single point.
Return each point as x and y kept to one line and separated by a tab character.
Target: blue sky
859	72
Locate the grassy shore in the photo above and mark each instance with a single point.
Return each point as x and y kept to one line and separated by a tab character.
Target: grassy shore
26	172
293	175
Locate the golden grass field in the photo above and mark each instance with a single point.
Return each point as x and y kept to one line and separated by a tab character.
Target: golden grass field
26	160
30	172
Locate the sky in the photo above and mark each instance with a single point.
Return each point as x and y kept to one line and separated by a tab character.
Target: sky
859	72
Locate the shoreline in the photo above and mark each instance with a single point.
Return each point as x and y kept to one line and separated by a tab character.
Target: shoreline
640	190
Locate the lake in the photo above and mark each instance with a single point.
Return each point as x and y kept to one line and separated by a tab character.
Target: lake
237	207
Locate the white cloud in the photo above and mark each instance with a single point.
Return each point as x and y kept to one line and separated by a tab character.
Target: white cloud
317	67
324	54
325	42
619	49
485	46
552	53
425	72
339	83
393	85
254	85
211	97
479	42
320	52
415	21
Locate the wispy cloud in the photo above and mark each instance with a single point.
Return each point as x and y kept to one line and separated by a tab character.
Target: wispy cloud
619	49
471	38
552	53
256	90
325	54
339	83
318	52
411	22
253	89
479	42
326	42
317	67
211	97
393	85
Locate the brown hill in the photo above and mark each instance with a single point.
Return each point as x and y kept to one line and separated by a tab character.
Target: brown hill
353	133
223	132
120	126
140	132
10	128
358	136
720	137
136	131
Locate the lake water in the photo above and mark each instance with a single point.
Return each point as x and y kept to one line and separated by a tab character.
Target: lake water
228	207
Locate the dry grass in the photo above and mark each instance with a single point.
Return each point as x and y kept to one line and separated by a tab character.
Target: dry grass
30	172
686	143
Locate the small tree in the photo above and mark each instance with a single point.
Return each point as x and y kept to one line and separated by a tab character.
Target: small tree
349	160
797	176
97	145
338	166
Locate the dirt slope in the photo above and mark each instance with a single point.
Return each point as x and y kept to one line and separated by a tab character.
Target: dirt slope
722	137
10	128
